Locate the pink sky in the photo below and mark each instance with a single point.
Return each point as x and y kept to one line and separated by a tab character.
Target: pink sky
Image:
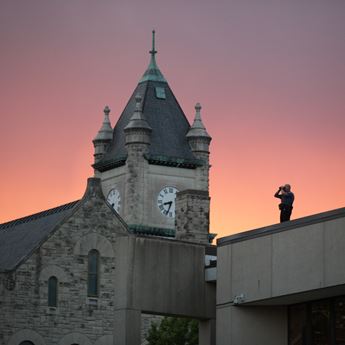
270	76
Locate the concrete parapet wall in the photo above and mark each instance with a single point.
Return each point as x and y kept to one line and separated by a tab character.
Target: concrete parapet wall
283	263
164	277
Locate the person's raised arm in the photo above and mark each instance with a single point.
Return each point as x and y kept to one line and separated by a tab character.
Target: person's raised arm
277	195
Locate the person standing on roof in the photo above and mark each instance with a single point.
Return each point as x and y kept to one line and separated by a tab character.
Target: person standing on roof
287	198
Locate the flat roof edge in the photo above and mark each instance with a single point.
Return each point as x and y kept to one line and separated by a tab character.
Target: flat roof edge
276	228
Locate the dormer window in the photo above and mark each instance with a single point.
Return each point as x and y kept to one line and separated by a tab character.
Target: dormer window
160	92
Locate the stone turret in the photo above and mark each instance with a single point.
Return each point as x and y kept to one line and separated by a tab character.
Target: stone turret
192	220
198	137
137	138
103	137
138	131
199	141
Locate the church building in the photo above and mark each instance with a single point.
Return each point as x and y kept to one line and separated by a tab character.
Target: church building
98	270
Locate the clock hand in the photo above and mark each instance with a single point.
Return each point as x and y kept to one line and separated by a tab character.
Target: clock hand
168	203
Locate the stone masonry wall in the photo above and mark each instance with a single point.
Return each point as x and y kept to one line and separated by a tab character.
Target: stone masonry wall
200	148
192	216
136	175
77	318
146	322
203	172
64	254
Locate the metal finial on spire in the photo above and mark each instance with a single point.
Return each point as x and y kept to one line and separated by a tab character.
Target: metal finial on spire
152	72
106	110
197	111
153	51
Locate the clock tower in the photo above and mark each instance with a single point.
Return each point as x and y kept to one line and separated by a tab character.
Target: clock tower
152	154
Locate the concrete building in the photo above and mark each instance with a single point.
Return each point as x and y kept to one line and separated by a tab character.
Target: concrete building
283	284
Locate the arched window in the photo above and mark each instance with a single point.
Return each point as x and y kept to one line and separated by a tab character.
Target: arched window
52	291
93	276
26	343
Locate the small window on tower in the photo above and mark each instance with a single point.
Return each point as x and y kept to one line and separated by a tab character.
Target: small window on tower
160	93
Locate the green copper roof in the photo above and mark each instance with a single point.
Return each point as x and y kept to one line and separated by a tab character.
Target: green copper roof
174	161
148	230
153	73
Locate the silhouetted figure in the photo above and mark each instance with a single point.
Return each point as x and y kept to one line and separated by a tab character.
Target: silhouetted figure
287	198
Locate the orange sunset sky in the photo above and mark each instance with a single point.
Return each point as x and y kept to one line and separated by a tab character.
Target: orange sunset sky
270	76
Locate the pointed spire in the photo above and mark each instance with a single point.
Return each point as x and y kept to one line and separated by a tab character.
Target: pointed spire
138	120
152	72
197	129
106	132
153	51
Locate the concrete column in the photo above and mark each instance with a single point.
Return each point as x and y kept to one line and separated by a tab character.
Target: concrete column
127	327
207	332
252	325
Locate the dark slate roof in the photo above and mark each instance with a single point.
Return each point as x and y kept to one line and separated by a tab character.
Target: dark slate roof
169	128
20	237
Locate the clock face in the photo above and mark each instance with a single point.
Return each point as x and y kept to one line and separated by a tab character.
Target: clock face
166	201
114	199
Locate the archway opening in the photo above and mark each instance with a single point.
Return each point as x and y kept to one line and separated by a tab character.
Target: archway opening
157	329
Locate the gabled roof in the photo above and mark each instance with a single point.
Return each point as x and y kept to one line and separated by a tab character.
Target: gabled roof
20	237
164	115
